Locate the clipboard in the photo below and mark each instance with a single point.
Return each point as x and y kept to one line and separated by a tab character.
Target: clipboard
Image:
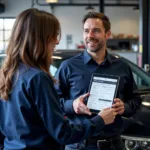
103	89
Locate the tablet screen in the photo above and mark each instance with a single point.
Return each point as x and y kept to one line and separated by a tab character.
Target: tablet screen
102	90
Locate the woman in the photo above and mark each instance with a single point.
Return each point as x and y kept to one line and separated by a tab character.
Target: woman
30	115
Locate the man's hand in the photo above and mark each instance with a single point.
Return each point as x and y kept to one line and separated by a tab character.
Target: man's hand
79	106
118	106
108	115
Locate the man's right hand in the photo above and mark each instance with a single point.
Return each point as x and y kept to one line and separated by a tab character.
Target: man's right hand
108	115
79	106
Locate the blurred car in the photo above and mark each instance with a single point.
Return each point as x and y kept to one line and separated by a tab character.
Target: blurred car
136	129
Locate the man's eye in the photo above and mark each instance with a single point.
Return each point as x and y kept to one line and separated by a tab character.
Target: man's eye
97	30
86	31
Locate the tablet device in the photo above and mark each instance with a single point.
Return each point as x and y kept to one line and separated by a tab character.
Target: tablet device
103	89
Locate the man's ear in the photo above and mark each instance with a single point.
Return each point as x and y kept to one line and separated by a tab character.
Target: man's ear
108	34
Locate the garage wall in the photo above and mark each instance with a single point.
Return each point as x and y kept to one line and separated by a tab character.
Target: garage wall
123	19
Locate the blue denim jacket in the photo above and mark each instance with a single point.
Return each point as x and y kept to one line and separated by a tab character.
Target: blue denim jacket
32	117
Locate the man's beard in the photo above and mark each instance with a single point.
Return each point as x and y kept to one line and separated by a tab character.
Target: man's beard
99	46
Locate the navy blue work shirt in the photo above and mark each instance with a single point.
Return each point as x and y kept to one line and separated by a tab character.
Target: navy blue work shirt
74	77
32	117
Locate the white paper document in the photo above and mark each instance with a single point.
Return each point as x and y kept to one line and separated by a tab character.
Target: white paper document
101	93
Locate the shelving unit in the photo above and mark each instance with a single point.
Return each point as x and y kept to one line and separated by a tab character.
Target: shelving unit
123	44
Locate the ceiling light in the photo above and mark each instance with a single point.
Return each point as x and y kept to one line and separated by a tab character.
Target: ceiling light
89	8
51	1
136	8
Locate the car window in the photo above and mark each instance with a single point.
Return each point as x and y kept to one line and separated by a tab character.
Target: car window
141	78
55	65
1	60
53	70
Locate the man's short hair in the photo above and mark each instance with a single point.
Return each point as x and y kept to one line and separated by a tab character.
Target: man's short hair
101	16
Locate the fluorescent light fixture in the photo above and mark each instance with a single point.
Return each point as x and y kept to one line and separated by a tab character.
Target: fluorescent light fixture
89	8
136	8
56	57
146	103
51	1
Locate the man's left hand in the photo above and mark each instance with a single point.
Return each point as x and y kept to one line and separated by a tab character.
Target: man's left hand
118	106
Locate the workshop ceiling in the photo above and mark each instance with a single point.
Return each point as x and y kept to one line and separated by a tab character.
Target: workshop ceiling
91	2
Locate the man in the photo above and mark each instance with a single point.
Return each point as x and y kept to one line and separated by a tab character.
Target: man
74	78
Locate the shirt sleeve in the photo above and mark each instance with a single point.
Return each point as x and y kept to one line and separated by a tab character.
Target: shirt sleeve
47	103
132	96
62	87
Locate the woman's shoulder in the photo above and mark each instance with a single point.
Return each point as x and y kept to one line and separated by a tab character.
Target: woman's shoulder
29	73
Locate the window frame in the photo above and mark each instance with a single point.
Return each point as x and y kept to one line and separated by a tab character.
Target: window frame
3	30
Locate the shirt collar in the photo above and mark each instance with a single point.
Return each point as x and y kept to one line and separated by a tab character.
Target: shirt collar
87	57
